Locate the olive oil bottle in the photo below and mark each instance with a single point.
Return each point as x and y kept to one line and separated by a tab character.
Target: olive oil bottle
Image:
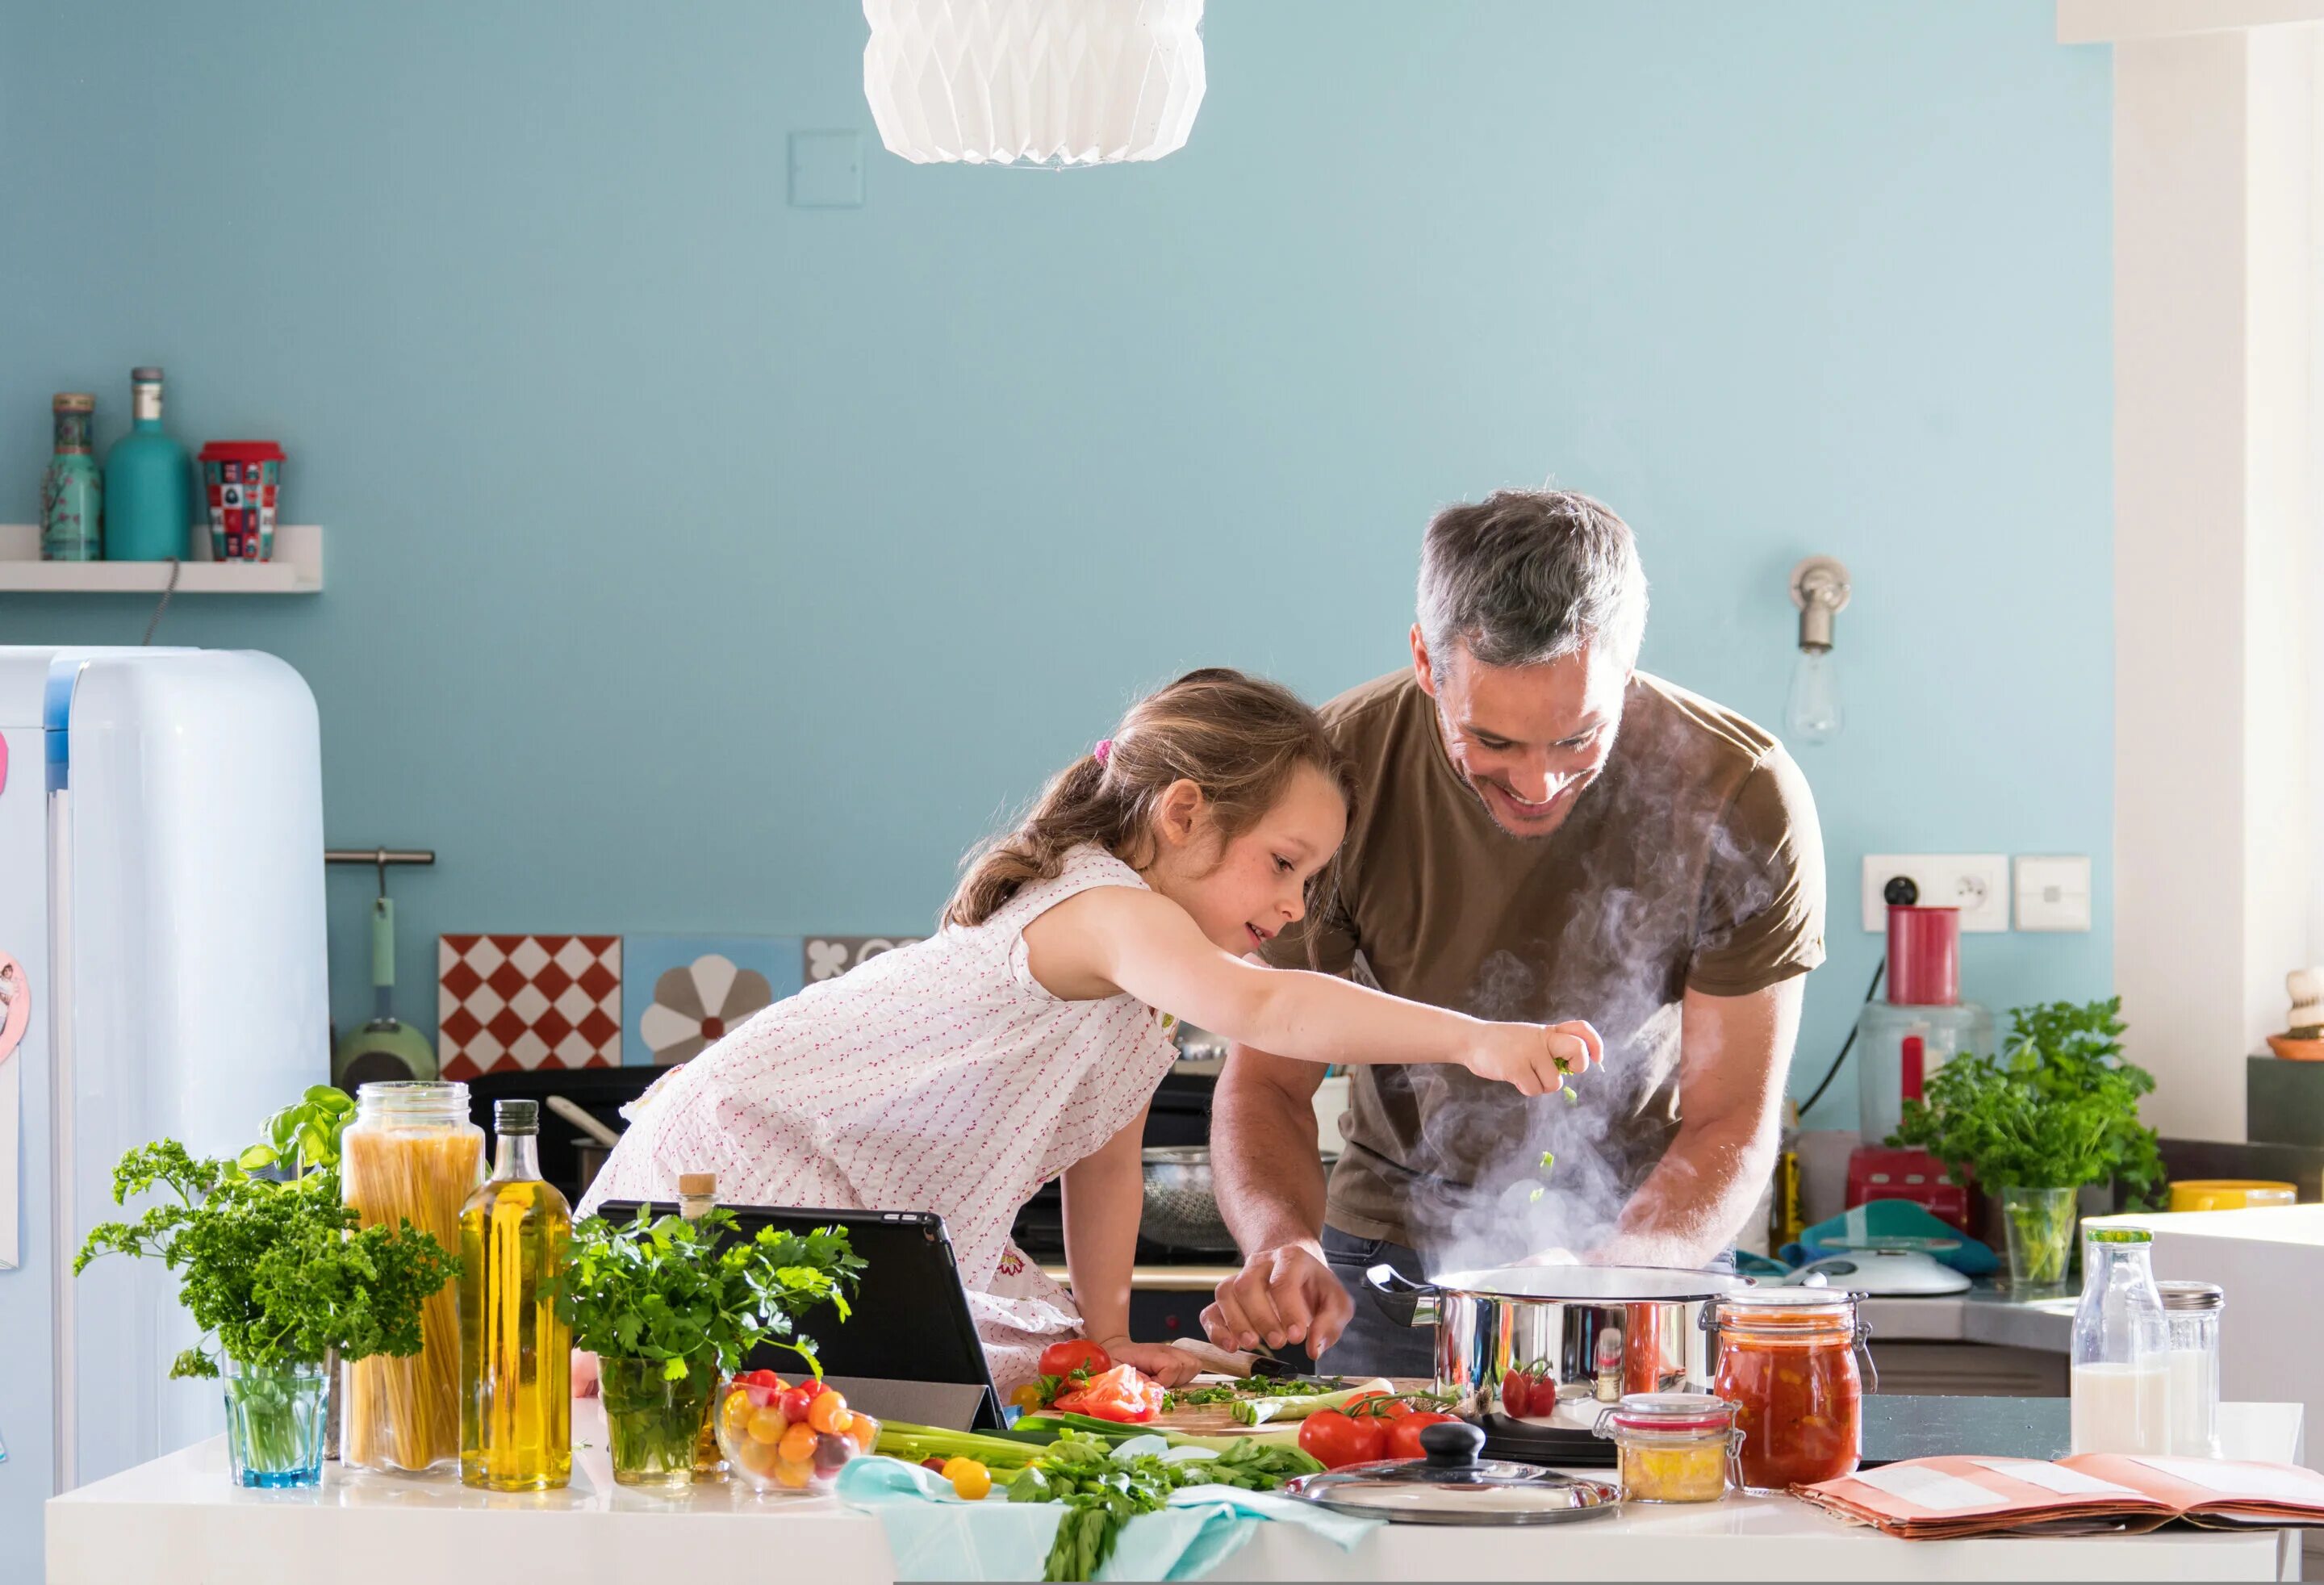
516	1380
697	1194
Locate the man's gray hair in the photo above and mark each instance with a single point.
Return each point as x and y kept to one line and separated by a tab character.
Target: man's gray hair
1528	575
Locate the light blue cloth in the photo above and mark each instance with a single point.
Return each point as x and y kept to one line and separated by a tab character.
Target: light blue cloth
936	1535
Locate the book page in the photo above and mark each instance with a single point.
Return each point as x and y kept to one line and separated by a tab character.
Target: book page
1932	1489
2057	1477
2282	1483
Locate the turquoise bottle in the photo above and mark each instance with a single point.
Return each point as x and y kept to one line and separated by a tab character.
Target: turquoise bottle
72	493
149	495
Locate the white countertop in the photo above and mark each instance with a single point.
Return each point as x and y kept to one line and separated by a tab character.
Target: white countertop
1981	1316
178	1520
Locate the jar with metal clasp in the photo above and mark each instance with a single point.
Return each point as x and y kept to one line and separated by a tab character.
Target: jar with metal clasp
1786	1357
1673	1446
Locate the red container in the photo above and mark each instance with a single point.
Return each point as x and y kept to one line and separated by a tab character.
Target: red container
1924	956
1876	1172
240	479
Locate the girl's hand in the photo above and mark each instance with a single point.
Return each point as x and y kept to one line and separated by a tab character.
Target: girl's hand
584	1374
1536	1058
1170	1366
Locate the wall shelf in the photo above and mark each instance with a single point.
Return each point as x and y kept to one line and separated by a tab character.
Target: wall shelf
297	569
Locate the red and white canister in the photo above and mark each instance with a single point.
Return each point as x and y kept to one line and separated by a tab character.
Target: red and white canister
240	479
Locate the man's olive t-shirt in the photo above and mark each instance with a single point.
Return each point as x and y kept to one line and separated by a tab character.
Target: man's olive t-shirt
1694	861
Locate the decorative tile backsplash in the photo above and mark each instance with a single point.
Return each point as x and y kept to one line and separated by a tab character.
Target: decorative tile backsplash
826	957
685	991
512	1002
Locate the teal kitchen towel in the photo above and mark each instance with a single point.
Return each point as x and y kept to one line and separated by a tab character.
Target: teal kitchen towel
936	1535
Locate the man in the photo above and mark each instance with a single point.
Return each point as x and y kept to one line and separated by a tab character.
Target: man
1541	832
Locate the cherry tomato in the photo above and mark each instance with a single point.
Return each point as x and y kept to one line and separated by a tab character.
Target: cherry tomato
864	1430
797	1445
933	1463
1404	1435
793	1404
970	1479
1521	1392
1074	1354
828	1414
815	1386
763	1377
765	1425
1335	1440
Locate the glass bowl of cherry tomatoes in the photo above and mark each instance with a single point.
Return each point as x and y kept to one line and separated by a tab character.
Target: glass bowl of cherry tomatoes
788	1438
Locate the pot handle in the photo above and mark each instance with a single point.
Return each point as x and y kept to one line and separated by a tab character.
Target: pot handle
1402	1301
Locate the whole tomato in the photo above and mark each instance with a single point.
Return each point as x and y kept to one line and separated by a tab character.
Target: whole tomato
1334	1440
1516	1393
1403	1433
1074	1354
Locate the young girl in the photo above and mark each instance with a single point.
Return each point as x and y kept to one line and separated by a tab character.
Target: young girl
1023	1040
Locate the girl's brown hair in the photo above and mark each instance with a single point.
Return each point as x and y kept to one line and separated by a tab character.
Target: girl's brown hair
1238	738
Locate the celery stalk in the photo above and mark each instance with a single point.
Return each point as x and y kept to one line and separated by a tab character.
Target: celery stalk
1259	1411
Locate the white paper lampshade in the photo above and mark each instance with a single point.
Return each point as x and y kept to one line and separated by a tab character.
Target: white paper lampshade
1033	82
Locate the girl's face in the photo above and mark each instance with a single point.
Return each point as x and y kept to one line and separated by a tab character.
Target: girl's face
1244	891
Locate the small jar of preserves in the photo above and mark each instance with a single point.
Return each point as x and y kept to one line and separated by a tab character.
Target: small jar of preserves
1672	1446
1786	1359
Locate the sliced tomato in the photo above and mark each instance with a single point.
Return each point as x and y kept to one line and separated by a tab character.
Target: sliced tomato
1074	1354
1119	1393
1404	1435
1335	1440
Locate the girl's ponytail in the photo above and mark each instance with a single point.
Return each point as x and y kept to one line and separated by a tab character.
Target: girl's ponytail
1236	737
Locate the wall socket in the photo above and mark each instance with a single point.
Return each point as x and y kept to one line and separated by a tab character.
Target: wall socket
1978	884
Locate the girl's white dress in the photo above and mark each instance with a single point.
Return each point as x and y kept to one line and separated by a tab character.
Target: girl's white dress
939	1077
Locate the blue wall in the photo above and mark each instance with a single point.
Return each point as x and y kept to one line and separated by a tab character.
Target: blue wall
698	563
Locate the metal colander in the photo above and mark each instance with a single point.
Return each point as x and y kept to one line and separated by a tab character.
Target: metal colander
1181	1210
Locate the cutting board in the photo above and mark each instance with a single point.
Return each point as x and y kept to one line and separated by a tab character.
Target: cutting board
1218	1419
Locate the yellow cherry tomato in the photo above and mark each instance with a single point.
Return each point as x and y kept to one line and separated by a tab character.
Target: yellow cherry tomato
793	1475
766	1425
798	1445
971	1481
864	1430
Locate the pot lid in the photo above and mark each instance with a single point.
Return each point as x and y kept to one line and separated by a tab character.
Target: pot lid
1592	1285
1451	1485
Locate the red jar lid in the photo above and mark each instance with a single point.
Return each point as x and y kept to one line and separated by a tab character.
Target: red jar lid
242	451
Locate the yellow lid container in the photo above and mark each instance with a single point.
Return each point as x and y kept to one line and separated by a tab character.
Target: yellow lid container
2229	1193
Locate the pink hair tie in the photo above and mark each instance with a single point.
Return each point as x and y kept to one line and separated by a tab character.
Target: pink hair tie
1103	751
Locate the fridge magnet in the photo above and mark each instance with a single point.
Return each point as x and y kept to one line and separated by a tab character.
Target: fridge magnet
692	990
511	1003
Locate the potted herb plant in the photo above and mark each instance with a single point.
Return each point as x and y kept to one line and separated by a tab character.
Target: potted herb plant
669	1306
2057	1109
279	1274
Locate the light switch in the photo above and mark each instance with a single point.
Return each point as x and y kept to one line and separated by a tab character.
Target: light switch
827	170
2053	893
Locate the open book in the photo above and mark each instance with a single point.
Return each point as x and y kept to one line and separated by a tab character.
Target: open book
1938	1499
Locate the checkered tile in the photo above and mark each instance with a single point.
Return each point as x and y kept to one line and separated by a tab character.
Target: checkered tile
509	1003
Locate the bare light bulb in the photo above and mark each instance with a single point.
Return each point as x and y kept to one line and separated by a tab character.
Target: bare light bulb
1820	589
1812	712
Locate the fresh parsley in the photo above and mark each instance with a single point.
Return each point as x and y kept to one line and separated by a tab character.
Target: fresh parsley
279	1273
693	1294
2058	1108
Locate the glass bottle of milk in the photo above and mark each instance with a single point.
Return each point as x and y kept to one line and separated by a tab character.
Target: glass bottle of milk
2122	1348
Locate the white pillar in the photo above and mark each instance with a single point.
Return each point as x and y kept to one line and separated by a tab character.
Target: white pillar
2213	274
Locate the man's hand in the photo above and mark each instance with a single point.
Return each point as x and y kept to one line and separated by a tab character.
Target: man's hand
1170	1366
1536	1058
1281	1296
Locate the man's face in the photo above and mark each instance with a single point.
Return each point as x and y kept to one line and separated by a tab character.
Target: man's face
1528	738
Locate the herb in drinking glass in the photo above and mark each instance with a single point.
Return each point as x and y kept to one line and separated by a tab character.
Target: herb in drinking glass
693	1294
279	1273
2058	1108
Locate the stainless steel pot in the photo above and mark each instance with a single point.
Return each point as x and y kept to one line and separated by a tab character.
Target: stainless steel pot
1552	1345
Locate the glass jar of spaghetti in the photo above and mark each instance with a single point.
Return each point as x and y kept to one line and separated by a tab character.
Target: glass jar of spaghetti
411	1155
1786	1359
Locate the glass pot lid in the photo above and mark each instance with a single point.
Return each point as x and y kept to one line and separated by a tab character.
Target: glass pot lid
1451	1485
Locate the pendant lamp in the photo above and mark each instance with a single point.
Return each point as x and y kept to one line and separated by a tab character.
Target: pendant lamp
1033	82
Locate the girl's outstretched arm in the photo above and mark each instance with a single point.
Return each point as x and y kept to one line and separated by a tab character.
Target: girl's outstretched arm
1117	938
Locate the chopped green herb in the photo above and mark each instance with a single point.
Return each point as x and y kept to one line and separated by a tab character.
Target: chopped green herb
1535	1196
1548	1159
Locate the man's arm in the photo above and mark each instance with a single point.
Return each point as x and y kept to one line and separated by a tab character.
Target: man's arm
1268	1175
1734	1052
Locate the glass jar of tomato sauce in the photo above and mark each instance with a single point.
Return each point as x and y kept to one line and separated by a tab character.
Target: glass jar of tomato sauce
1786	1359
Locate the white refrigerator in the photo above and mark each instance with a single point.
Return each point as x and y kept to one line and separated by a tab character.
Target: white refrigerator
161	893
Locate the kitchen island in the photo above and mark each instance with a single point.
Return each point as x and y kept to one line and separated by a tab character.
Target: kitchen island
176	1519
